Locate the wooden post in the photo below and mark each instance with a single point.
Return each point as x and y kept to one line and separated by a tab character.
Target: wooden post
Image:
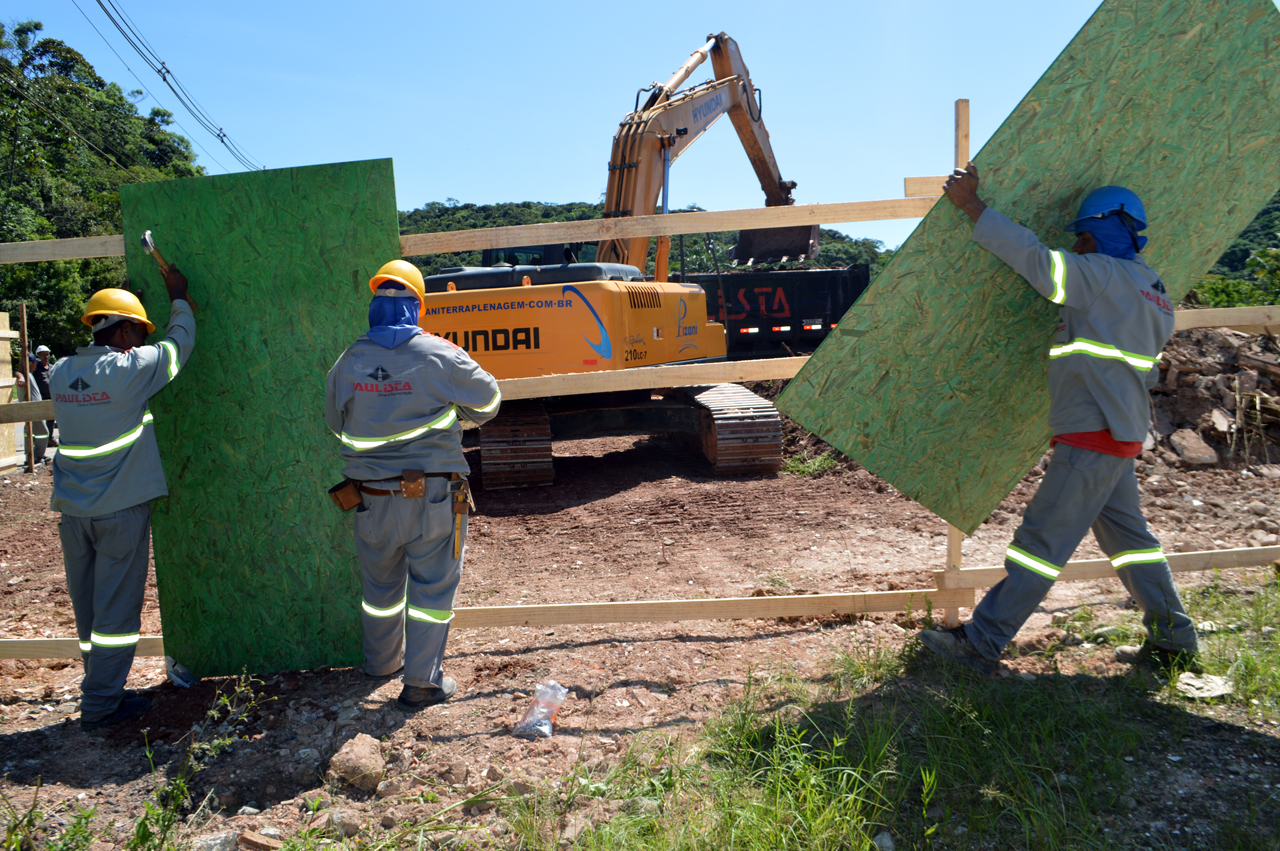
28	442
8	439
951	617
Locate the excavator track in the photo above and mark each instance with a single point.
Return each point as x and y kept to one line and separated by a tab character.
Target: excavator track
742	433
515	447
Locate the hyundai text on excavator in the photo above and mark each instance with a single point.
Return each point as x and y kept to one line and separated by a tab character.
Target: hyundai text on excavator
531	320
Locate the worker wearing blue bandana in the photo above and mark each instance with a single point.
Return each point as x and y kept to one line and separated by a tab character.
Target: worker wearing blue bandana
105	475
1114	320
396	400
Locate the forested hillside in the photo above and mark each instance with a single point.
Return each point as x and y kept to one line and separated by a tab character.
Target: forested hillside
701	251
68	139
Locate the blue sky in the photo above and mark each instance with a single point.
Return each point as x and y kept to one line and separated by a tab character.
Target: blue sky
498	101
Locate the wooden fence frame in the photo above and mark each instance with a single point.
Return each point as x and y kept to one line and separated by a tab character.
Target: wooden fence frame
956	588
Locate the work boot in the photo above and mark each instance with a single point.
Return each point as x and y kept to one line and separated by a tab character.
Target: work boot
130	705
1152	656
954	646
413	698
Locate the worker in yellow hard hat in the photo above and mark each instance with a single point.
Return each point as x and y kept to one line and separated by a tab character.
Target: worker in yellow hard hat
395	399
105	474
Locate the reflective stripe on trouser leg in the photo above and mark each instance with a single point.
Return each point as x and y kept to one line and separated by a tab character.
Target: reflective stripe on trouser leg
106	563
1123	534
434	575
383	571
1073	491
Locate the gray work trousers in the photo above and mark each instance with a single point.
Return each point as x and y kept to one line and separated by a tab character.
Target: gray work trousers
1082	489
106	563
410	580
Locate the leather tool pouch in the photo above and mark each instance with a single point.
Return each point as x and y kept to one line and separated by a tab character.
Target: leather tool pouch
413	484
462	501
346	495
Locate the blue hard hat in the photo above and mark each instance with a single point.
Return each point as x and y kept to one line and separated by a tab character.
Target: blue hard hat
1107	200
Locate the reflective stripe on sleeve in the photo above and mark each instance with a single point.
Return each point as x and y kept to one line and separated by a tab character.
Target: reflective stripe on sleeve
1059	278
430	615
1095	349
1030	562
124	440
497	398
1119	560
382	613
86	646
174	366
359	444
100	640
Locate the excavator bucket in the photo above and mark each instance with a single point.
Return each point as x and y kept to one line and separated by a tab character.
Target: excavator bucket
773	245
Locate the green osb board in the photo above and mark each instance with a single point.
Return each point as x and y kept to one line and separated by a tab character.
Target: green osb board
256	566
936	378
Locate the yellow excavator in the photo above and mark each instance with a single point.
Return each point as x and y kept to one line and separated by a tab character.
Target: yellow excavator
650	139
549	318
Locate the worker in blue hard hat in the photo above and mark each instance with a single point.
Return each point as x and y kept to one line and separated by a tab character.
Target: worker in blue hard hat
1114	320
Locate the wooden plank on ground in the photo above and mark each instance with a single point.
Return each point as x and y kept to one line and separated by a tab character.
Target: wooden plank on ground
1100	568
646	611
26	412
67	648
659	611
1228	317
935	380
62	249
650	377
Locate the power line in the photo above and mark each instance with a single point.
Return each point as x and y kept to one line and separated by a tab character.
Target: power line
22	94
153	61
144	86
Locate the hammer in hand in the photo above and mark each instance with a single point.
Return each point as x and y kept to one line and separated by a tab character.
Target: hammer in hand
149	246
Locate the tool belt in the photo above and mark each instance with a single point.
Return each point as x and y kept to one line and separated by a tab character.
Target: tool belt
412	484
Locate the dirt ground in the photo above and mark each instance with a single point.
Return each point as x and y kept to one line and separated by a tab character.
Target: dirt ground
628	519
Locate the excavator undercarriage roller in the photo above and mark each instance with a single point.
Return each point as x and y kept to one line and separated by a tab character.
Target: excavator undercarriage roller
741	433
515	447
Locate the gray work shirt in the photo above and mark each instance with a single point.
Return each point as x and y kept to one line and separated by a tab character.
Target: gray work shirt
108	459
398	409
1115	319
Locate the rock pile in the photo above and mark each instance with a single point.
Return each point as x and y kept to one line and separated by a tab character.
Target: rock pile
1216	399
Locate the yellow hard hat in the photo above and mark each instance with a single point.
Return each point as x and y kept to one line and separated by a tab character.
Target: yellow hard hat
113	302
403	272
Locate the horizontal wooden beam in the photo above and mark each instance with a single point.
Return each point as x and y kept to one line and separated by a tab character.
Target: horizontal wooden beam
62	249
647	611
1251	320
67	648
659	611
26	412
9	335
629	227
650	377
1100	568
913	187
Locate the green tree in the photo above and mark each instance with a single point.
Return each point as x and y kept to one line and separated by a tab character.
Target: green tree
68	139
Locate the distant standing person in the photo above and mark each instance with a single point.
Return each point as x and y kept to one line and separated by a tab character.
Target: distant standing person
394	399
41	372
104	477
1115	318
25	389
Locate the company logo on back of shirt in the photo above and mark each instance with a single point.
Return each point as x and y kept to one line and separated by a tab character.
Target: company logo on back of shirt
382	383
81	385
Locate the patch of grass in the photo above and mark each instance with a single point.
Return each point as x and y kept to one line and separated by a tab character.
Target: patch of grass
803	465
896	740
